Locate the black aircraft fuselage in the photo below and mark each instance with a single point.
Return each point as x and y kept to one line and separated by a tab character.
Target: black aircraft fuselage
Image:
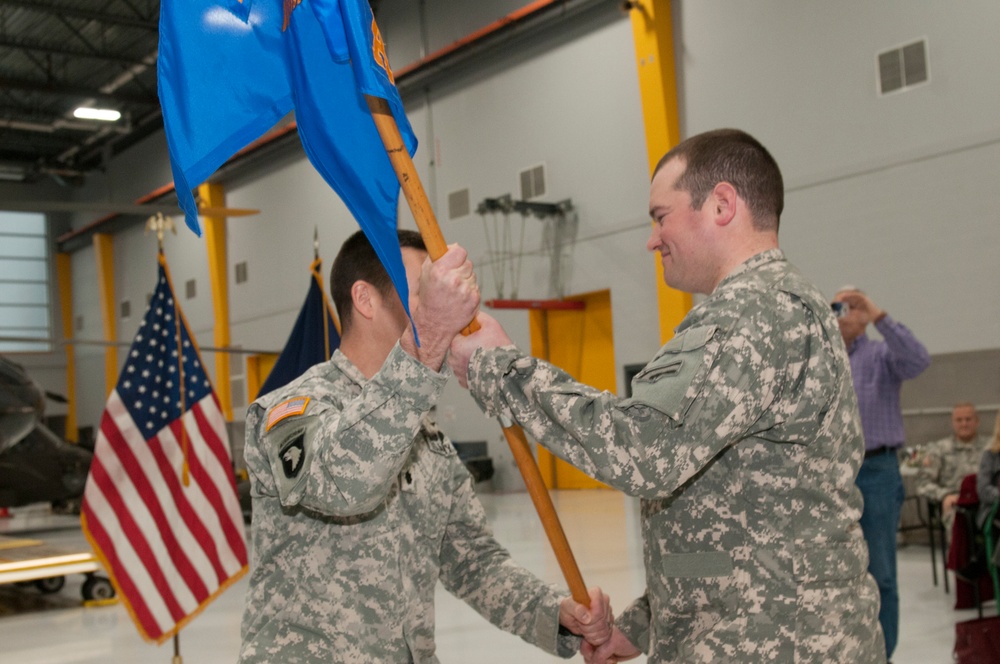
21	404
36	465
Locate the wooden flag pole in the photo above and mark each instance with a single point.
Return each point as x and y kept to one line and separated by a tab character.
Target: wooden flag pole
420	206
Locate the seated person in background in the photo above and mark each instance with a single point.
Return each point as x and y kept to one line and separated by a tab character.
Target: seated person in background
360	505
949	460
988	477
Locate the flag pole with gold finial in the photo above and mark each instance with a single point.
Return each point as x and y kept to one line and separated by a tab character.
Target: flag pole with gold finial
420	206
160	224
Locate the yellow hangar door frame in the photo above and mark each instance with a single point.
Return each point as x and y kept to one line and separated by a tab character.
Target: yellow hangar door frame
580	342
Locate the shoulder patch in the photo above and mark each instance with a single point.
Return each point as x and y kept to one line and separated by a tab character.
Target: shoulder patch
290	408
292	454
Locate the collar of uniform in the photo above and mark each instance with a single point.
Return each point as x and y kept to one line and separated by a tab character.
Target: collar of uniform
339	361
977	441
753	263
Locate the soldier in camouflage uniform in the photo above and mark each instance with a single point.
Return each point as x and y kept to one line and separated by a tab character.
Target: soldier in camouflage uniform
360	504
741	435
946	462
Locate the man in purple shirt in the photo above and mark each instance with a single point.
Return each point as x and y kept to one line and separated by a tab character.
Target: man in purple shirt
879	369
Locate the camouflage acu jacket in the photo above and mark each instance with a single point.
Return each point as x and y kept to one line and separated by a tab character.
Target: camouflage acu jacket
742	438
359	506
946	463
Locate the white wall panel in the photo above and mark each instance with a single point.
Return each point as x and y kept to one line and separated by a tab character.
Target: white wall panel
895	193
919	239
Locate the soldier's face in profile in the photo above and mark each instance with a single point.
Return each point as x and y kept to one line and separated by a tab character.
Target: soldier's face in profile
678	233
413	261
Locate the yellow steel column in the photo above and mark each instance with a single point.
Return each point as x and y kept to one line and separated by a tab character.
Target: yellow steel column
213	195
105	256
64	278
652	28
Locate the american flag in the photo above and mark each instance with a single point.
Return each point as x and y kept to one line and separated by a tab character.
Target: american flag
160	507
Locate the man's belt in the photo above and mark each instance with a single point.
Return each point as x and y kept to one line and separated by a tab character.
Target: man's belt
879	451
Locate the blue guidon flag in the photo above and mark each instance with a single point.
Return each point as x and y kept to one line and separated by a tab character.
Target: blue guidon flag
229	70
160	508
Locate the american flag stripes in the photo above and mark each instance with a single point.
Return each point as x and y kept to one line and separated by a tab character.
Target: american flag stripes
160	508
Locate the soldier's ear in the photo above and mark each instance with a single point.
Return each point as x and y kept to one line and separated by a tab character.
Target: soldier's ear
364	298
724	201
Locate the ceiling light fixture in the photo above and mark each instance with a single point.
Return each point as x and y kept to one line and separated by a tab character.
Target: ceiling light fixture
11	174
107	115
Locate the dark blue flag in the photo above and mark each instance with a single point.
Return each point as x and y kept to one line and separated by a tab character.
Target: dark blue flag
313	339
229	70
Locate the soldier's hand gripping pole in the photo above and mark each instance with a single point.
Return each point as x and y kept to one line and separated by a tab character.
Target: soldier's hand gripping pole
416	197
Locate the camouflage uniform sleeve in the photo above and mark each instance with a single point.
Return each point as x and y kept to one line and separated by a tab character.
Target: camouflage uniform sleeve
634	623
342	460
702	392
257	466
929	473
476	568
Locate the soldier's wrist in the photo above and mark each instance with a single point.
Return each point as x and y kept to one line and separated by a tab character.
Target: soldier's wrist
431	352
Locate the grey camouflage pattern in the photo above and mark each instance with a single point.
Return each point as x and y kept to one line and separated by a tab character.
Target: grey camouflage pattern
945	464
742	438
347	552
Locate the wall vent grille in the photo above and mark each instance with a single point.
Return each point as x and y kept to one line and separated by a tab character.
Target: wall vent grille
533	182
903	67
241	272
126	309
458	204
190	289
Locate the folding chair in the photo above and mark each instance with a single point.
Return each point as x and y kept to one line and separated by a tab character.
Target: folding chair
968	554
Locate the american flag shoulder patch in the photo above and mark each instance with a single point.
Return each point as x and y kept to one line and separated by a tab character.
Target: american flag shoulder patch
291	408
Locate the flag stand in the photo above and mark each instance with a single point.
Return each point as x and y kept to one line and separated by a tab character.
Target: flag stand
420	206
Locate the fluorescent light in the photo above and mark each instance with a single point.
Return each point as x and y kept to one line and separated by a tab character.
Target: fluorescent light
97	114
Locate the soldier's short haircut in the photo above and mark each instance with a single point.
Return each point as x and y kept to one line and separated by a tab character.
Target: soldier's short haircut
736	157
357	261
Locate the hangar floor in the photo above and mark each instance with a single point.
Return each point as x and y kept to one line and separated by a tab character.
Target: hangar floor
602	527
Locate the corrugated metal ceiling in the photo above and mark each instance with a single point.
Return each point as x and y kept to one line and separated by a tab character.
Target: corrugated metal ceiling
57	55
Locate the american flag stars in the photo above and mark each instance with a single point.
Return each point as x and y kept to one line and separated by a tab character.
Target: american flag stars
148	386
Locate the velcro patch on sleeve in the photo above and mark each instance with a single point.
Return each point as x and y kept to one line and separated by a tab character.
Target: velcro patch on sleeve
292	455
289	450
285	409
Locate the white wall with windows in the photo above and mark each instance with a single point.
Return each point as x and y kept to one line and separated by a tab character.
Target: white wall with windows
25	316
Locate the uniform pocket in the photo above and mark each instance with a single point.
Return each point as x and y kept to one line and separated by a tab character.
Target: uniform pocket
696	565
672	379
426	492
700	594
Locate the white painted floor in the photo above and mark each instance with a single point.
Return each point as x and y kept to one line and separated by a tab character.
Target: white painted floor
602	527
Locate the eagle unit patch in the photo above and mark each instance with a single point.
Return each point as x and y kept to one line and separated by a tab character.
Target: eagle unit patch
292	454
291	408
